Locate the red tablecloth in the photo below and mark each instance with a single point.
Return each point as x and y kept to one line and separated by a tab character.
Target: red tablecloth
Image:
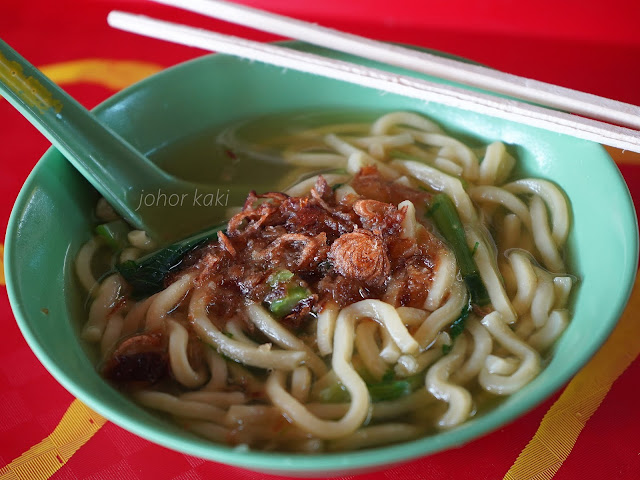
580	433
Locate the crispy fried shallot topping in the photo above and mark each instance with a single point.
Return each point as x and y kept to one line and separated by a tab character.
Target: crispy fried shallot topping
361	255
318	249
226	243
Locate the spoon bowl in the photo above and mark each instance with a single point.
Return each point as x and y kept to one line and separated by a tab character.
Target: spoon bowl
117	170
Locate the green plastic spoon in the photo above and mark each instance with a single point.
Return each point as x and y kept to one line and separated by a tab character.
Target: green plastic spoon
132	184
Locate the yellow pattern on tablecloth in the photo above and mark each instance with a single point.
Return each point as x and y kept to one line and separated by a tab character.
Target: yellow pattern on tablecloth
113	74
77	426
563	422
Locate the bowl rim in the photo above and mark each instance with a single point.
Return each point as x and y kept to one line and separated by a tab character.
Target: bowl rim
287	463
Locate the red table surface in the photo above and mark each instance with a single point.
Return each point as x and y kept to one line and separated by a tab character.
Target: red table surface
590	46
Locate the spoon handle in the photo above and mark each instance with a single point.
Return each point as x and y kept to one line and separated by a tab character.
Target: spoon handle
104	158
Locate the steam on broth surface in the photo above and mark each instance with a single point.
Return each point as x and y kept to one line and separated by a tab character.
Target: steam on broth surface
398	282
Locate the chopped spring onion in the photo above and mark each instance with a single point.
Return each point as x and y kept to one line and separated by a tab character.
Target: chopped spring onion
285	305
446	218
394	389
281	276
114	234
457	327
382	391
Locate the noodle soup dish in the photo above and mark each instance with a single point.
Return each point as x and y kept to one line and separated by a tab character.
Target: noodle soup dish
387	279
359	307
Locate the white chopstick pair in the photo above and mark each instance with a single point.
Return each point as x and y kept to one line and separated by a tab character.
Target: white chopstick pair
580	103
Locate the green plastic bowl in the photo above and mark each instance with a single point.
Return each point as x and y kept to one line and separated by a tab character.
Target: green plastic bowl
53	214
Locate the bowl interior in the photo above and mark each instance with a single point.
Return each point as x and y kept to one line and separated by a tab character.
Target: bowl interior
53	214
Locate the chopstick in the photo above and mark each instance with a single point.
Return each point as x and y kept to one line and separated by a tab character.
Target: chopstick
553	96
560	122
